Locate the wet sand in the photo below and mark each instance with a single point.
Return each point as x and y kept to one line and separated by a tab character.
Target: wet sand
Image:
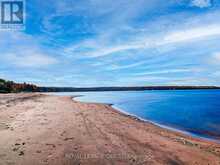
41	129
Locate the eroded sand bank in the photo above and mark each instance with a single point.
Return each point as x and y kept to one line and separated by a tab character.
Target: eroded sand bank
41	129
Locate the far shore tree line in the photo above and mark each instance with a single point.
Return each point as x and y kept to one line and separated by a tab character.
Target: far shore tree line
12	87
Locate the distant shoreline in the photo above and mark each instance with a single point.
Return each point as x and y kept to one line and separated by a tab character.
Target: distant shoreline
13	87
141	88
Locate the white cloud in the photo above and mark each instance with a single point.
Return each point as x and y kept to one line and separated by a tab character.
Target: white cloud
192	34
189	81
167	72
217	56
22	50
201	3
215	59
178	36
115	49
30	59
118	67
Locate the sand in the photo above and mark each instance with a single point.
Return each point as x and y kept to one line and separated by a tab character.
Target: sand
41	129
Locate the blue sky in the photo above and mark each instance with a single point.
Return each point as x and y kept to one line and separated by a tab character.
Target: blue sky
115	43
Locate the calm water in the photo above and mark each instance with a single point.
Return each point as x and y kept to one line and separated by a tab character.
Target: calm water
196	112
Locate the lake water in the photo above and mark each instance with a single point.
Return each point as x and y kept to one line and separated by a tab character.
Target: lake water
196	112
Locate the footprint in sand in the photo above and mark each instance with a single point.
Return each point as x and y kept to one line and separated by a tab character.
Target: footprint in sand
38	151
15	149
10	163
52	145
18	147
2	156
67	139
4	126
21	153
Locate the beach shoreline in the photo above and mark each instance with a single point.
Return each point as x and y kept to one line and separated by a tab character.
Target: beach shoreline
170	128
46	129
215	139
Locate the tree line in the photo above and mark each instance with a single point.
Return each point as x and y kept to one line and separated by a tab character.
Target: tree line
12	87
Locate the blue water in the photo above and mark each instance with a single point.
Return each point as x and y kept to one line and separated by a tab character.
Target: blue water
194	111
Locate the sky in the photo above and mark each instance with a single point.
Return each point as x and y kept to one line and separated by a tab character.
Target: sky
90	43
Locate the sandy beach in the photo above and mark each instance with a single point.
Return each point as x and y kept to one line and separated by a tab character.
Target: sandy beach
40	129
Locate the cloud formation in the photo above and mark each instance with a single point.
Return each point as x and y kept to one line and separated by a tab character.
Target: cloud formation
202	3
30	59
109	43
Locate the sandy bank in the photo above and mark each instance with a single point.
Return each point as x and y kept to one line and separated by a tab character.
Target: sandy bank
40	129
